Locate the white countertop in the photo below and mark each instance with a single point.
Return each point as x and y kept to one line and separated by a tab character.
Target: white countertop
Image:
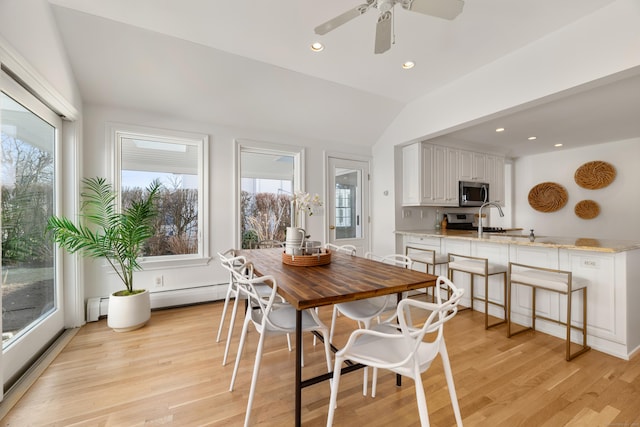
522	238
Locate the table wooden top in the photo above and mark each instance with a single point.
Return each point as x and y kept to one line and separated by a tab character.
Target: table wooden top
346	278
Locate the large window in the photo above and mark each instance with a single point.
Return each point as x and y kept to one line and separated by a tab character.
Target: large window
177	160
269	178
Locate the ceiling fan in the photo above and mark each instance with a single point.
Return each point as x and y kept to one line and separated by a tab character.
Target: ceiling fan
447	9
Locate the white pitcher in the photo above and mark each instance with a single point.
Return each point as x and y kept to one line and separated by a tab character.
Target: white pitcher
294	240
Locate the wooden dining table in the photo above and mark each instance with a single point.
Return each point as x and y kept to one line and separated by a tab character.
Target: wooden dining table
345	278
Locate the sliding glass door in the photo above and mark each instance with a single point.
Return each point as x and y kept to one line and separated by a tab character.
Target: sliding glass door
31	297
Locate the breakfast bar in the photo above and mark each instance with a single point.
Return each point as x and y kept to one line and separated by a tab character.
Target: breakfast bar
611	268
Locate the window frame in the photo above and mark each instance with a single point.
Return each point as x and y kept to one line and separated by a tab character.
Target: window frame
244	145
119	131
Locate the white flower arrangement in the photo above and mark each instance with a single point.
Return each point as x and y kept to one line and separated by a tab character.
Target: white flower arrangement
304	203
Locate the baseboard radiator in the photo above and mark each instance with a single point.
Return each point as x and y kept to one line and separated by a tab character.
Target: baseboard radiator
98	307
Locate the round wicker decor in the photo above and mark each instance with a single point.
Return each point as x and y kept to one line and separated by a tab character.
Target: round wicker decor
587	209
595	175
547	197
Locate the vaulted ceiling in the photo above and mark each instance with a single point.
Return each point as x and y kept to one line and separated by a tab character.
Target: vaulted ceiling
248	64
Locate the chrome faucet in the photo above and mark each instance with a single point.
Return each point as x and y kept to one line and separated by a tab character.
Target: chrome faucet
480	215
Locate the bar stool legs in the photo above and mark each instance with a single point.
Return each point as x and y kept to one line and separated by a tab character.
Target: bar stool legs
555	281
476	266
428	257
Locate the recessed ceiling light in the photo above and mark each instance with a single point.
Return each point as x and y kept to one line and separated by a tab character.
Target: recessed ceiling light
500	130
408	65
531	138
317	46
557	145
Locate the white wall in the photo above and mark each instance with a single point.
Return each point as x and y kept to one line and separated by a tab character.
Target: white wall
595	47
619	202
28	26
97	160
31	42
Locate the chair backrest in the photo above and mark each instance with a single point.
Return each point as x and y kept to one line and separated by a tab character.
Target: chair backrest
261	307
393	259
345	249
441	312
231	263
266	244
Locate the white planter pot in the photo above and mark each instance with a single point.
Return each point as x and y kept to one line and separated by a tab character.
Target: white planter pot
130	312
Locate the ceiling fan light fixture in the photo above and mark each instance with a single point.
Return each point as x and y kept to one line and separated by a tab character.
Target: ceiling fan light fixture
317	47
408	65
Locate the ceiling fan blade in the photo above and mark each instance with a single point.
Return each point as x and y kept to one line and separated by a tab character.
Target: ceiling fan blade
344	18
447	9
383	33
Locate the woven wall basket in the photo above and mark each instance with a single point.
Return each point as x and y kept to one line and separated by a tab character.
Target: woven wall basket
595	175
548	197
587	209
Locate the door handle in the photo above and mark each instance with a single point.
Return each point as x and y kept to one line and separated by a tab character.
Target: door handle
332	227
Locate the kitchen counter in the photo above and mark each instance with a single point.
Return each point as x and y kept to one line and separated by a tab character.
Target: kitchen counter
611	269
522	238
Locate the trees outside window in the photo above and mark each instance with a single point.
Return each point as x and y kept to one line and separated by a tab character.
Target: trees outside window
269	177
177	161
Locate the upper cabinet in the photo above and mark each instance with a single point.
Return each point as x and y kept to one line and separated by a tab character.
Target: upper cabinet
431	173
416	174
472	166
494	166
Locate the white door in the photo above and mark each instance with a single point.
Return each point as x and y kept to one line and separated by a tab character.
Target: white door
348	203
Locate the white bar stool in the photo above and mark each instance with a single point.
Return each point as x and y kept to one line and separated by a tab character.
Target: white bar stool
476	266
428	257
551	280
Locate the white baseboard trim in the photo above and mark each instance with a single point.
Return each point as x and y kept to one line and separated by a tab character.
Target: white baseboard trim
98	307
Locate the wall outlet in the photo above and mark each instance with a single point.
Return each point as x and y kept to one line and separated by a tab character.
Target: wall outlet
159	281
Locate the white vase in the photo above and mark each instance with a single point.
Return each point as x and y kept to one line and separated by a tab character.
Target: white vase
130	312
294	240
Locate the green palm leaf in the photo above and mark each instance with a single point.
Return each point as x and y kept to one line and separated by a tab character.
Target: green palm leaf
104	232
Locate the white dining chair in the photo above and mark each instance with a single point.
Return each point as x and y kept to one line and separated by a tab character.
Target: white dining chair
365	310
345	249
397	346
270	317
232	264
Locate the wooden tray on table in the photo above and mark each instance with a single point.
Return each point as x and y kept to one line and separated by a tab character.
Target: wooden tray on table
322	258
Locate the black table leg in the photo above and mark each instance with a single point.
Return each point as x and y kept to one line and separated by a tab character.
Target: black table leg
398	376
298	367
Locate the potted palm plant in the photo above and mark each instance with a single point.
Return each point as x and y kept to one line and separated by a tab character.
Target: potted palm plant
118	236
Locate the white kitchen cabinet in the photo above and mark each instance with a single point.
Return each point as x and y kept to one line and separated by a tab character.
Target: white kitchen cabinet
416	174
472	166
444	176
605	294
428	178
607	299
451	181
495	178
430	174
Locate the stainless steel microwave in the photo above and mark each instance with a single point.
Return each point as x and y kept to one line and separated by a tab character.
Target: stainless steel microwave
472	193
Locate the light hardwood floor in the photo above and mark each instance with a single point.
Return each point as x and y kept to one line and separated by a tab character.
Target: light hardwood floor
170	373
